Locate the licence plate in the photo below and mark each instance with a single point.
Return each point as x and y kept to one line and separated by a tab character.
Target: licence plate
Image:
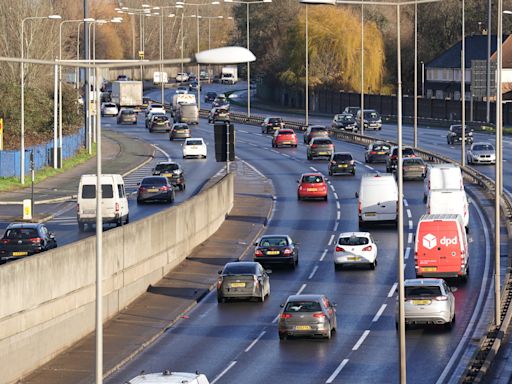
343	165
167	174
323	153
152	190
20	253
302	327
421	302
237	285
354	258
370	213
429	269
312	189
273	253
287	142
193	147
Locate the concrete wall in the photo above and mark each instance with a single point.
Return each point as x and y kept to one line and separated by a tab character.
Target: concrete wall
47	301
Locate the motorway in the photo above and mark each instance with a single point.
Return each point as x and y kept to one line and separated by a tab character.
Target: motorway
237	342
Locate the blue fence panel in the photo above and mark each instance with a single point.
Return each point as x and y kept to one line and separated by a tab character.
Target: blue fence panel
8	163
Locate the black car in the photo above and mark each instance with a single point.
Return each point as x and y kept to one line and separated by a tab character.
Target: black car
276	249
271	124
377	152
392	160
454	135
342	162
210	96
344	121
172	171
25	239
155	188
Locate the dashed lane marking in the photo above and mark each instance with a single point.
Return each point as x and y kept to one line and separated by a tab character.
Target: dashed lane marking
379	313
407	253
224	372
313	272
323	255
330	240
361	340
301	289
337	371
392	290
255	341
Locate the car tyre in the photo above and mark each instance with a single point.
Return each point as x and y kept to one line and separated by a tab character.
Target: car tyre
338	267
127	220
282	336
261	299
373	265
325	198
329	334
221	300
354	172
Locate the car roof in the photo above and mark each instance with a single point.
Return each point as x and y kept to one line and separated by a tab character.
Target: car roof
320	138
305	296
274	235
154	177
423	281
350	234
168	163
244	263
23	225
341	153
312	174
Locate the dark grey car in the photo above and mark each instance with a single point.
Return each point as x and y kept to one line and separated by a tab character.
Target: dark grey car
342	162
320	147
307	315
127	116
179	131
25	239
243	280
155	188
315	131
377	152
276	249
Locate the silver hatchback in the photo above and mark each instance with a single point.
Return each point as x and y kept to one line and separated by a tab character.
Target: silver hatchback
243	280
428	301
307	315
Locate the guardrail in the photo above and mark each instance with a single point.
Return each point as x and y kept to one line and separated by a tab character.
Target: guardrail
490	344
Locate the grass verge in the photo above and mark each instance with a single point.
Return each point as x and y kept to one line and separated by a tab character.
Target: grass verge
13	183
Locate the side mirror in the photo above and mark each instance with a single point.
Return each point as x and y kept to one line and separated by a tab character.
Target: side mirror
281	305
51	235
138	183
357	195
298	181
255	243
219	272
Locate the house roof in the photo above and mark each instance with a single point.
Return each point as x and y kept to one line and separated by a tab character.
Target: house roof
476	49
506	52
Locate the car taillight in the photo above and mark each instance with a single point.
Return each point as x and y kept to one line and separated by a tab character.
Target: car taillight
373	153
142	189
4	241
219	283
319	315
313	145
117	207
165	188
368	248
359	208
339	249
285	316
258	253
287	251
394	157
441	298
352	162
35	240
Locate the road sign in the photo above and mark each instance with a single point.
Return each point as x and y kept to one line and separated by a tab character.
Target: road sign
479	78
27	209
141	55
1	134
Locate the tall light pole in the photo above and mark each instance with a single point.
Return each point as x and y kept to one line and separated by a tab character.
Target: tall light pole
248	3
362	69
415	141
307	69
463	89
488	82
22	76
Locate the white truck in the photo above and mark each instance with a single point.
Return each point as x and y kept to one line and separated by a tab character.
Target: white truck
160	77
127	93
229	75
181	98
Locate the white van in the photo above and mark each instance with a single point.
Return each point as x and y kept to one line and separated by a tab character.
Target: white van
449	201
442	176
114	204
168	377
378	199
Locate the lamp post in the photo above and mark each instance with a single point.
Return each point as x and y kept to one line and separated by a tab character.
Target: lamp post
210	18
248	3
22	107
463	89
307	70
362	69
488	82
415	140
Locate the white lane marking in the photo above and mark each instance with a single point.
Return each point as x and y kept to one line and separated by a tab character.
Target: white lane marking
323	255
161	150
409	237
330	240
336	196
476	312
224	372
338	215
332	188
301	289
273	150
255	341
254	169
313	272
406	203
338	205
392	290
334	229
241	130
285	155
379	313
275	319
254	145
336	371
409	213
361	340
410	224
313	169
369	167
407	252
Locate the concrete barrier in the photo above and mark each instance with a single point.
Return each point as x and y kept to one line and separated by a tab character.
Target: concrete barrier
47	301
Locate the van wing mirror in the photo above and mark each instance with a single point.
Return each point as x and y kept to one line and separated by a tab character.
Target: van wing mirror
357	195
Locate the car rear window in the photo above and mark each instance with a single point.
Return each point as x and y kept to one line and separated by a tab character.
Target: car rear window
166	167
322	141
312	179
381	147
161	118
273	241
303	306
156	106
239	269
194	142
21	233
318	129
128	112
413	161
342	157
353	240
180	127
110	105
153	181
89	191
285	132
274	120
423	291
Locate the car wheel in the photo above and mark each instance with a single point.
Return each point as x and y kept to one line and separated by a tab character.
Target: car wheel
297	261
282	336
329	334
424	199
330	173
221	300
261	299
298	197
373	265
338	267
134	123
325	198
353	173
170	138
449	325
81	227
309	157
361	224
366	159
127	221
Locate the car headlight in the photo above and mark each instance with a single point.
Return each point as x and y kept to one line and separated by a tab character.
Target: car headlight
470	134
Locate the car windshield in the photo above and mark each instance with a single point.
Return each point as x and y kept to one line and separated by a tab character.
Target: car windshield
303	306
166	167
283	132
342	157
312	179
21	233
273	242
371	114
239	269
194	142
353	240
153	181
483	147
423	291
322	142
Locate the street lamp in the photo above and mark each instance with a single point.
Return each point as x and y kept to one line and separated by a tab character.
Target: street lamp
463	89
362	69
248	41
22	107
415	123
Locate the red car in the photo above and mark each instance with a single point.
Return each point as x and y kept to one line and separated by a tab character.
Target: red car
284	137
312	186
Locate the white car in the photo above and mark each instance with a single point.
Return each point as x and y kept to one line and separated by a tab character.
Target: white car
355	248
194	147
109	109
156	108
168	377
181	77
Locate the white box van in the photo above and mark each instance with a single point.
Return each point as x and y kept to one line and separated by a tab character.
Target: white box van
114	204
449	201
441	247
378	199
442	176
168	377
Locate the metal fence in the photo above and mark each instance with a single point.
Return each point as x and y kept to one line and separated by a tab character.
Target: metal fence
43	155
